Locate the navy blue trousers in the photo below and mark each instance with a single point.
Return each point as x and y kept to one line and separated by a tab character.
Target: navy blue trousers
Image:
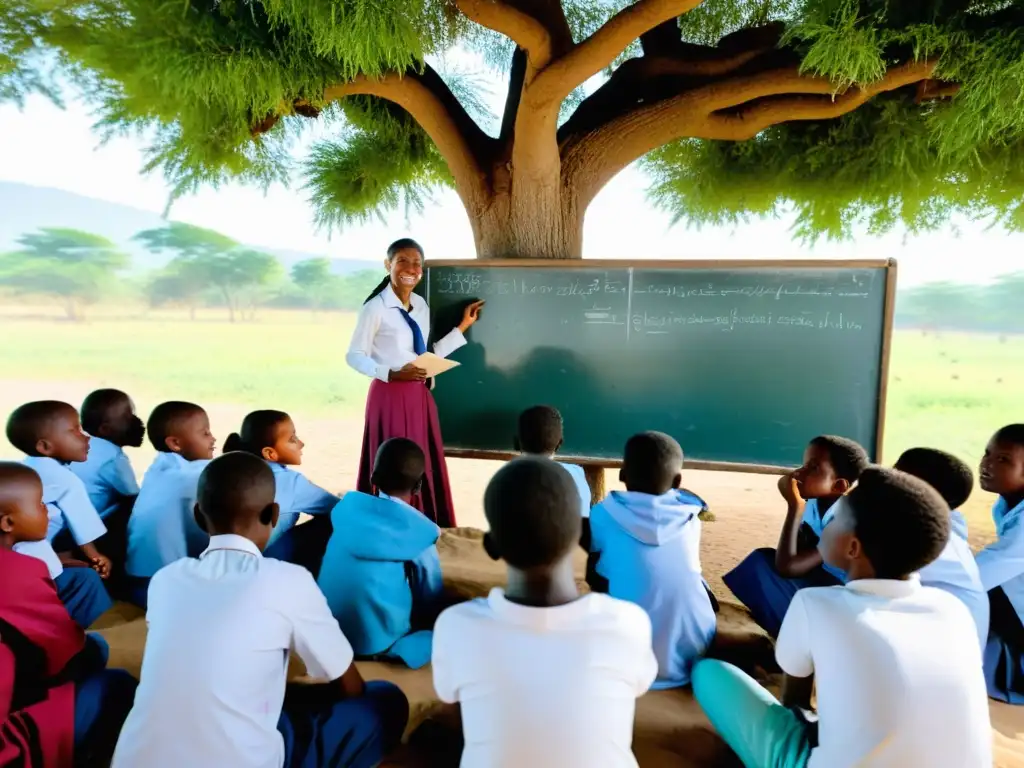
83	594
303	544
103	699
352	733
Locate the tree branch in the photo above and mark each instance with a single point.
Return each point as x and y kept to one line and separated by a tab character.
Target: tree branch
465	148
602	48
516	79
733	109
541	31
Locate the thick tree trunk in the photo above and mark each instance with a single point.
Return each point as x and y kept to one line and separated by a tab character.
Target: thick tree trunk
540	223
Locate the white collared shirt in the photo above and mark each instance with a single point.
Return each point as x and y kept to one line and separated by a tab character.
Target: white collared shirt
545	687
107	474
383	341
898	674
216	660
162	527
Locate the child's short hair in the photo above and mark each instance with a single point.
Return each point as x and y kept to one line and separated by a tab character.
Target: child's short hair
944	472
901	521
848	457
540	430
399	466
165	419
234	488
533	510
95	407
28	423
1013	434
651	462
259	431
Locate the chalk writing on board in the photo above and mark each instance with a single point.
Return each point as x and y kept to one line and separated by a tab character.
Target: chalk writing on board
777	292
476	283
653	324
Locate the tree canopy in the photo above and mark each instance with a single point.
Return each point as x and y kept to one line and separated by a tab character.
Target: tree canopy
871	111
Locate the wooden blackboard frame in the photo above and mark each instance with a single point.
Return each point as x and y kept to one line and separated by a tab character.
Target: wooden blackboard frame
888	312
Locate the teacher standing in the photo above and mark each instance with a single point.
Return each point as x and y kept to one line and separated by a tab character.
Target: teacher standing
391	332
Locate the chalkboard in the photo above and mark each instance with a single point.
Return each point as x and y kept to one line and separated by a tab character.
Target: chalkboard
742	362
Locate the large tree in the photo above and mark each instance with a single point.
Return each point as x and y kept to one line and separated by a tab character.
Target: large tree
849	110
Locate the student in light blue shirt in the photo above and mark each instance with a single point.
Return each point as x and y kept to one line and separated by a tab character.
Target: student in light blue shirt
646	541
955	569
1001	565
767	579
271	436
162	527
50	435
381	572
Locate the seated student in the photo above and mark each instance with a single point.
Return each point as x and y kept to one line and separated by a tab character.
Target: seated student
108	416
954	570
162	527
381	572
545	678
1001	565
213	689
540	433
271	436
646	542
767	579
48	432
59	705
897	664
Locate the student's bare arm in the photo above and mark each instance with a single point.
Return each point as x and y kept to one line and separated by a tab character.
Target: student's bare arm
98	561
789	560
796	691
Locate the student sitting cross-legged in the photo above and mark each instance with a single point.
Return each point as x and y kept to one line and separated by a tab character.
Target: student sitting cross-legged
1001	564
59	705
381	572
954	570
271	435
897	665
646	543
545	678
162	527
213	687
50	434
767	579
108	416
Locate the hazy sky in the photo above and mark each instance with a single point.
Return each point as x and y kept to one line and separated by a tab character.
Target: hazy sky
45	146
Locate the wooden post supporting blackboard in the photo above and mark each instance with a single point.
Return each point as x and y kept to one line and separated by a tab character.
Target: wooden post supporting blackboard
595	479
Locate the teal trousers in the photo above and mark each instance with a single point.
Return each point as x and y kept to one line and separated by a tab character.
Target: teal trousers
762	732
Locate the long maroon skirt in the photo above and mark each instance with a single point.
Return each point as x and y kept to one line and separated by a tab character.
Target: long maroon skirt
407	409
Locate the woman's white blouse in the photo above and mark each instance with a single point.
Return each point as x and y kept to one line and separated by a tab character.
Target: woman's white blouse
382	341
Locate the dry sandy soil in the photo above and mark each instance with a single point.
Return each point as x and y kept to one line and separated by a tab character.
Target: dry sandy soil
671	731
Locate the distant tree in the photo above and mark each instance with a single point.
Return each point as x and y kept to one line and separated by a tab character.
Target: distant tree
74	266
209	259
180	282
314	278
942	305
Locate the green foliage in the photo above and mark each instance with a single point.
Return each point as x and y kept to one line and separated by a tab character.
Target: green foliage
76	267
964	307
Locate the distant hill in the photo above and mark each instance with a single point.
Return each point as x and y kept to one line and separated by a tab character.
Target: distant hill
27	208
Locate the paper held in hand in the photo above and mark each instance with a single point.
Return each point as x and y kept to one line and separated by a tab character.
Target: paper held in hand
433	365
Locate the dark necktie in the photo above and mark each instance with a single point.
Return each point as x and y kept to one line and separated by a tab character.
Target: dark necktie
418	345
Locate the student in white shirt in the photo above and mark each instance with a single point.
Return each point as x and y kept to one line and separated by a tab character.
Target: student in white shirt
213	689
162	527
954	570
898	668
545	678
1001	564
391	332
108	416
50	435
271	435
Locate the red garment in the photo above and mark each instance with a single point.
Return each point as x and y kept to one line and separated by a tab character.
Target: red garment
407	409
37	640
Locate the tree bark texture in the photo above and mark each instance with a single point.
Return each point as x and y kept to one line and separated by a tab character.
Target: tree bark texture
526	191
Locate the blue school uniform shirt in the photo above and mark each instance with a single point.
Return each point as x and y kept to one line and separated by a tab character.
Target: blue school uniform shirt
296	495
108	476
958	523
649	551
162	527
817	523
955	571
364	572
1001	563
67	502
580	478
